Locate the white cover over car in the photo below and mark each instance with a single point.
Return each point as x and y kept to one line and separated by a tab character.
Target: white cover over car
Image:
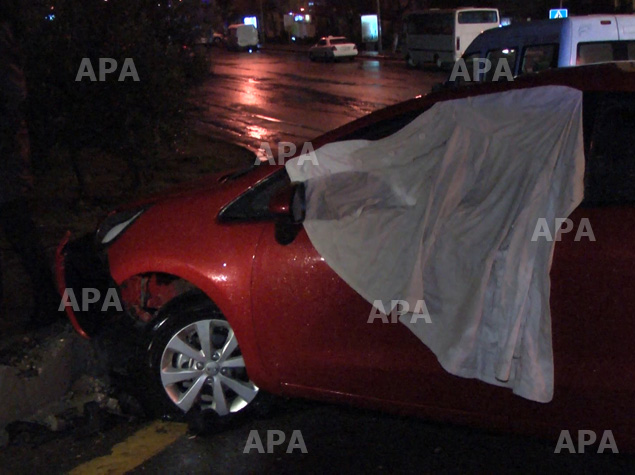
444	211
243	35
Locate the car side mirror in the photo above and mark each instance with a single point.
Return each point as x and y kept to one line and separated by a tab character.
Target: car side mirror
288	206
289	202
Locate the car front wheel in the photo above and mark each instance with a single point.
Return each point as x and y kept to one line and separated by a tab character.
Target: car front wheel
196	362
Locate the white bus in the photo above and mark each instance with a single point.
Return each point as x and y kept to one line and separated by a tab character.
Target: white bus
441	36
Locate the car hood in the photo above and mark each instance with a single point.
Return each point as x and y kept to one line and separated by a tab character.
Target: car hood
232	182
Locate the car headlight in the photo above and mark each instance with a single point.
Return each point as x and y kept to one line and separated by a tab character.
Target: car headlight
115	224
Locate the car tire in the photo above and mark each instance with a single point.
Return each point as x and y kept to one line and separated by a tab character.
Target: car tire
411	63
195	365
311	56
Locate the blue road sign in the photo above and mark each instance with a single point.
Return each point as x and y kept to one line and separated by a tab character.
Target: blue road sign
558	13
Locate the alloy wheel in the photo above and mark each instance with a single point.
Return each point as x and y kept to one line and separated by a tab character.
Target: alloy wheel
202	364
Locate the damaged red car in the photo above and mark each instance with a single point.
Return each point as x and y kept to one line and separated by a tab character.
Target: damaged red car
229	299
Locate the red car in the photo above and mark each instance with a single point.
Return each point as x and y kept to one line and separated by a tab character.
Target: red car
234	300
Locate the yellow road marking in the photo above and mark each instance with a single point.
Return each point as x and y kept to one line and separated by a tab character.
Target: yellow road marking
133	451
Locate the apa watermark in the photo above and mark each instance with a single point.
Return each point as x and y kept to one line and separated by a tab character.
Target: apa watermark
274	437
542	229
90	296
398	308
480	66
586	438
285	150
107	66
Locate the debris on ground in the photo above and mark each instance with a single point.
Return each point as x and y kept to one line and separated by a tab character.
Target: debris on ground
53	382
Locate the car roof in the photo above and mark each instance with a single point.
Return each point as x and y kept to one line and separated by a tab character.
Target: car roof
547	30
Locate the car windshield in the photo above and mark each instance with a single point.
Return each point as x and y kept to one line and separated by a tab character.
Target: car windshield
339	41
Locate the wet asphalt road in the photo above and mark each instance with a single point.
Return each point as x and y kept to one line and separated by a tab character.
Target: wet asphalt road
343	440
278	96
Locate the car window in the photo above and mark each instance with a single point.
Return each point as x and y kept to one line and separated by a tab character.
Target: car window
537	58
495	56
322	43
605	51
430	24
253	204
384	128
469	68
478	16
339	41
610	168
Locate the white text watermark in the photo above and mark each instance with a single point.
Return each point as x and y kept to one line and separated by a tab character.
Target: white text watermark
398	308
481	66
285	150
274	437
90	296
542	230
107	66
586	438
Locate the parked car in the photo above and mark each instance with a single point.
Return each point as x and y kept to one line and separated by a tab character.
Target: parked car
331	48
230	299
538	45
201	41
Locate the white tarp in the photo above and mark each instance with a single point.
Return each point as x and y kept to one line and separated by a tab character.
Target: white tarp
444	211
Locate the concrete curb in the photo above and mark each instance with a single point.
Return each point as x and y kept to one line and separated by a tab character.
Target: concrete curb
65	356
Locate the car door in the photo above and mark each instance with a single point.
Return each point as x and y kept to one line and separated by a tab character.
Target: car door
314	330
321	47
593	287
594	275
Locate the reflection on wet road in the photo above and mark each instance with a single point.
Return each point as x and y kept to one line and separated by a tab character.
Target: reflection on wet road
255	98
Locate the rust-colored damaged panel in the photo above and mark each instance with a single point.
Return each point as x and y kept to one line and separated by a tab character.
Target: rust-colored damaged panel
145	294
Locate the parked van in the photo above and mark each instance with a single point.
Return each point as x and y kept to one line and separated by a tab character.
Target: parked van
442	35
241	37
534	46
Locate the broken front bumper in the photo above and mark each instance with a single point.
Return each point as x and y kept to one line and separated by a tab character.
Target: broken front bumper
89	295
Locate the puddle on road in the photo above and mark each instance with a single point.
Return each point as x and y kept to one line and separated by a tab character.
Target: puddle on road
257	132
270	119
328	80
370	64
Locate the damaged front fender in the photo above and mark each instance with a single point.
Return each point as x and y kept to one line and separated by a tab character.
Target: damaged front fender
92	299
89	296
